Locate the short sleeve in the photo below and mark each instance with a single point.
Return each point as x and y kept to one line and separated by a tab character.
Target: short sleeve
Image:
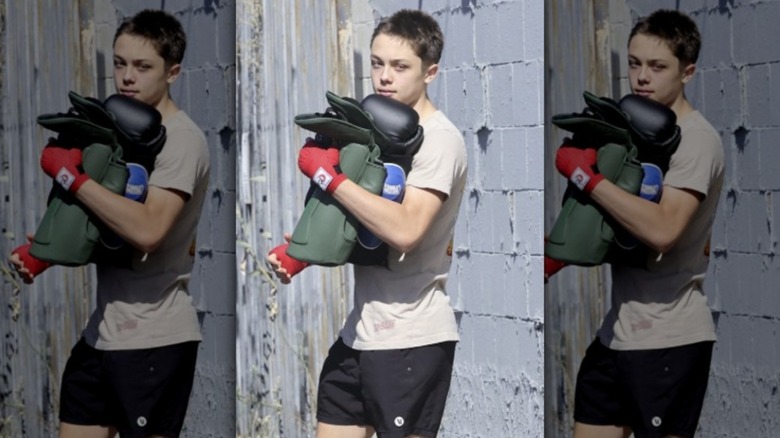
697	161
181	162
439	162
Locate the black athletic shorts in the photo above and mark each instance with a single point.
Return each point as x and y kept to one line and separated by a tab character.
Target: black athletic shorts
654	392
139	392
397	392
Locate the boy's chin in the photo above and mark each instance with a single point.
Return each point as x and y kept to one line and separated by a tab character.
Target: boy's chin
389	95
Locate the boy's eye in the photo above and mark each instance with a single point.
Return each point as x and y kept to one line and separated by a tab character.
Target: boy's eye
658	67
118	63
401	67
375	63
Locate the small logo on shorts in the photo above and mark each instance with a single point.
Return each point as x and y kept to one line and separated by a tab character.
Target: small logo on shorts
141	421
399	421
656	421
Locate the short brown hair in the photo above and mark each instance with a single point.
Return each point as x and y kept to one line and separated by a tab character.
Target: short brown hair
675	28
162	29
419	29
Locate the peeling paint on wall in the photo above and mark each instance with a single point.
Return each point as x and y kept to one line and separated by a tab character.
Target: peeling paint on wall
289	56
502	228
61	46
732	88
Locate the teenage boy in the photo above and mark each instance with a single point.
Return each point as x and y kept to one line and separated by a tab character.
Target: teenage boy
389	372
132	371
647	370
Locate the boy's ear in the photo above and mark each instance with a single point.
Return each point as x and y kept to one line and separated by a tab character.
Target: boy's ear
431	72
688	72
173	73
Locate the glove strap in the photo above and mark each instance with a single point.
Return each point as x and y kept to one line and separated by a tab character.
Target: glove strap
326	181
583	181
70	182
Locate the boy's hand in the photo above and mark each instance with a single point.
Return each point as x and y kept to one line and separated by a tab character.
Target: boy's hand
321	165
63	166
551	267
25	264
578	166
285	267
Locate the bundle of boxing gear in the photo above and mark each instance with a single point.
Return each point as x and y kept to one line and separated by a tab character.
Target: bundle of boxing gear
113	143
629	143
372	143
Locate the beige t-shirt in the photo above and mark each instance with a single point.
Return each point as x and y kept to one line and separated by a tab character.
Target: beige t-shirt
148	305
406	304
664	306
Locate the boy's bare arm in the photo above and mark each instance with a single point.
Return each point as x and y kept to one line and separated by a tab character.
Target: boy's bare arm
142	225
402	226
660	225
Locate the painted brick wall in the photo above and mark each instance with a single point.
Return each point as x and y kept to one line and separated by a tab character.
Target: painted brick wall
736	88
206	91
491	86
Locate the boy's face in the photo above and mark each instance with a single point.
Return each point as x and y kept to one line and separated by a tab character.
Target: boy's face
397	72
139	71
654	71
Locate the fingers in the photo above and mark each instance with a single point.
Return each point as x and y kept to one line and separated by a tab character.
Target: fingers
18	266
280	272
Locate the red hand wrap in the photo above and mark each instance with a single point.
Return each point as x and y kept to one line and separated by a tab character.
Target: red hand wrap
551	267
291	265
33	265
319	164
63	166
578	165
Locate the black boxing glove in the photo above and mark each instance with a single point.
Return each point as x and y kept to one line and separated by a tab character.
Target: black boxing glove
139	129
397	122
653	128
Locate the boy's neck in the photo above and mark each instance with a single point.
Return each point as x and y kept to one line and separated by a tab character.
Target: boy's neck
424	107
681	107
166	107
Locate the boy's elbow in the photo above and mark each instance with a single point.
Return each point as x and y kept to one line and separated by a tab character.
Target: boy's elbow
404	242
403	248
148	242
662	242
149	248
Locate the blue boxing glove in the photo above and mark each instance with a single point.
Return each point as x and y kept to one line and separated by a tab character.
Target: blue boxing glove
394	188
652	187
137	183
136	188
652	183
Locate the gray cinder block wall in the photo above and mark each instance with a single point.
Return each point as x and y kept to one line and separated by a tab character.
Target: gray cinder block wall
736	89
491	86
206	91
63	46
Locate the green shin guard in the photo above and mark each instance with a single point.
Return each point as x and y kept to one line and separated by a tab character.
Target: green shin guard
326	233
68	234
583	233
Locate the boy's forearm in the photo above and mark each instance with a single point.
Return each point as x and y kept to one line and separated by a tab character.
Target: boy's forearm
657	225
402	225
142	225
